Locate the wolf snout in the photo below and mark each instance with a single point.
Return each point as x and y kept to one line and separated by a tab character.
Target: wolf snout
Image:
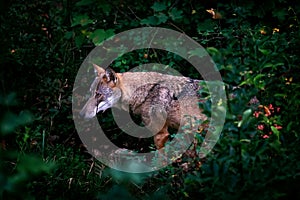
85	115
82	114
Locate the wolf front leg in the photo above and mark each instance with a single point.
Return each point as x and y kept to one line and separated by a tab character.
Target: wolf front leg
160	140
161	137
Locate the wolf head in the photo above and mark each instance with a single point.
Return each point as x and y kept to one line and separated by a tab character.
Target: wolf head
105	94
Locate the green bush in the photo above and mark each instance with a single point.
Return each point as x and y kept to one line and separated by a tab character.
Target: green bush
254	46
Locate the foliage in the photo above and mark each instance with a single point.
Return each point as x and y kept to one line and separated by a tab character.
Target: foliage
254	46
17	168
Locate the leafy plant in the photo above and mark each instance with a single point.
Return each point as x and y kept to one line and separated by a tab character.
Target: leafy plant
254	46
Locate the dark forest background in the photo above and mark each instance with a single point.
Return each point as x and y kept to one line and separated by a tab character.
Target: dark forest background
254	45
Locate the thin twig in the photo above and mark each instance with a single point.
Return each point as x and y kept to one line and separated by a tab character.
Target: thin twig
170	23
134	13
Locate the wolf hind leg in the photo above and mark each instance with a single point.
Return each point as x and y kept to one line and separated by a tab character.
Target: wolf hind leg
161	137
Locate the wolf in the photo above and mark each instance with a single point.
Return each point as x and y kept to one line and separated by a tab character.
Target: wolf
162	101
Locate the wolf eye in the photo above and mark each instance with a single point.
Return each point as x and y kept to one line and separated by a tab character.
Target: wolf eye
97	94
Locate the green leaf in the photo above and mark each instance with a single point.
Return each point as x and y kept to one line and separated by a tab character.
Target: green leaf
247	113
175	14
265	51
275	131
99	35
151	20
200	52
271	65
81	20
259	82
267	65
110	33
212	50
159	6
162	18
280	95
245	140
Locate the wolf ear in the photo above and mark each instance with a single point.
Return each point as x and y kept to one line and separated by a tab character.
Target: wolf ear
111	75
98	70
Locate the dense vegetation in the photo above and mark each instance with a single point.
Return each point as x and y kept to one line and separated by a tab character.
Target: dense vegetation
255	47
